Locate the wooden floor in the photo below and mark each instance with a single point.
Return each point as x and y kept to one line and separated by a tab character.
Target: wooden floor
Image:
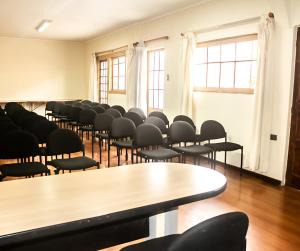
274	212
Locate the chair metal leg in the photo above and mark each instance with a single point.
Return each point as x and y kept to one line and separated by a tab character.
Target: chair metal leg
93	139
225	162
118	154
108	153
100	150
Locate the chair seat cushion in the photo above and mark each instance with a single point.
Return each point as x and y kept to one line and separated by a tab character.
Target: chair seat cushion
23	169
85	128
123	143
224	146
76	163
158	244
193	149
159	154
102	135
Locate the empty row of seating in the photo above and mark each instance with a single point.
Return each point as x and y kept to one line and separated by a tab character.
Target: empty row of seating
101	126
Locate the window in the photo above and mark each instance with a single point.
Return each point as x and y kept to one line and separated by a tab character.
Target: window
156	79
119	69
112	74
103	82
227	65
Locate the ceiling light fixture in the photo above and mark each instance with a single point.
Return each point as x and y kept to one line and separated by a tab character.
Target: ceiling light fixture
43	25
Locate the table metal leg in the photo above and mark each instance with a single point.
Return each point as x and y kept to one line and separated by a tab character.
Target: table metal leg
163	224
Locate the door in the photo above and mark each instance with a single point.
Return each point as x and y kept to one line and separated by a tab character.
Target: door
293	168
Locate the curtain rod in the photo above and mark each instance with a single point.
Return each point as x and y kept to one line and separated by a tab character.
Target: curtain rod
228	25
134	44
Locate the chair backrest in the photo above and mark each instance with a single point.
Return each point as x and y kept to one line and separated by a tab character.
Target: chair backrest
212	129
12	107
119	108
138	111
95	104
42	129
88	102
2	112
63	141
186	119
75	113
122	128
105	106
85	106
225	232
49	106
157	122
181	131
113	112
98	109
87	116
147	135
103	122
160	115
56	107
18	144
134	117
7	126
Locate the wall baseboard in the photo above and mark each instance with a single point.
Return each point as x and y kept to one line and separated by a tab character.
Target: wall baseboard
266	179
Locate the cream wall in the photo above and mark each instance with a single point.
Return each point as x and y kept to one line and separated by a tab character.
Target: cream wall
35	69
234	111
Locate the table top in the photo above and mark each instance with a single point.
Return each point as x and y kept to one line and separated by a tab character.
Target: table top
103	195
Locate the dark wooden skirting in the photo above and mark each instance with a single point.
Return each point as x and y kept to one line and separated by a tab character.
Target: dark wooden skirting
266	179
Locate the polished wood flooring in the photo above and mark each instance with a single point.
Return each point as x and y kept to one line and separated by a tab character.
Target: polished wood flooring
274	212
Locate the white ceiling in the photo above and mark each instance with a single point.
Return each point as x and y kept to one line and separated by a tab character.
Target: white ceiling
79	19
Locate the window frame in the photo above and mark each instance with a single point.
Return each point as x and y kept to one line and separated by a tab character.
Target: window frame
109	58
219	42
105	99
151	109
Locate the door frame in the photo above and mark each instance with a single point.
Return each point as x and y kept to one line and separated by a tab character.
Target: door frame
289	120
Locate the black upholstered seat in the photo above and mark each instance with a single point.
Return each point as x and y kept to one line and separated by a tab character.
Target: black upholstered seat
225	232
23	169
76	163
159	154
193	149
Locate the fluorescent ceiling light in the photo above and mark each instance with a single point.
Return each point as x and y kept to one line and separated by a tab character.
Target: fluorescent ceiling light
43	25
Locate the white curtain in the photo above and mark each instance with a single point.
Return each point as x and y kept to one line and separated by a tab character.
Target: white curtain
131	77
262	116
188	47
93	86
137	77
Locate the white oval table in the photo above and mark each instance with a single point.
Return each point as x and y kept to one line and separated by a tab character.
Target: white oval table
72	208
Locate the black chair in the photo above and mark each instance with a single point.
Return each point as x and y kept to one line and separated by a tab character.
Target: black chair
134	117
225	232
138	111
211	130
186	119
148	140
160	115
182	132
101	128
86	121
12	107
2	112
98	109
42	129
65	142
105	106
6	126
86	102
21	145
74	117
120	136
157	122
113	112
49	108
119	108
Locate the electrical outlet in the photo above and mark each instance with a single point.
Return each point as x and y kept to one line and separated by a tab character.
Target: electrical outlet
273	137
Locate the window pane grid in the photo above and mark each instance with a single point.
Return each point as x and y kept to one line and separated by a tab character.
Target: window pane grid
156	78
103	83
119	73
226	65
